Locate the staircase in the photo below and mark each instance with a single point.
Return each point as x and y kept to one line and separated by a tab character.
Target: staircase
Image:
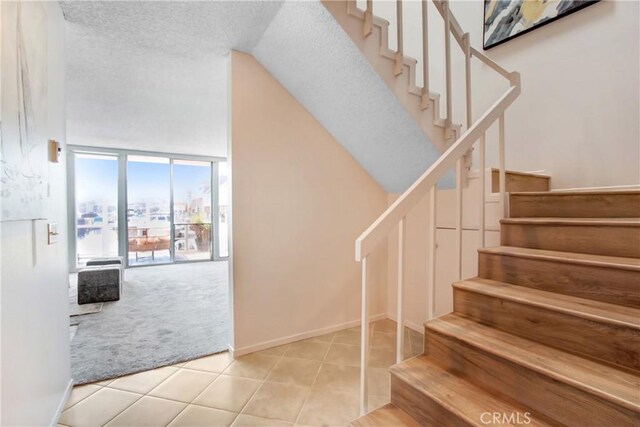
549	331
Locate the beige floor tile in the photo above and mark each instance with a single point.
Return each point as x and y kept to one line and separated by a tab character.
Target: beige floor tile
99	408
252	366
81	392
343	354
148	411
143	382
324	338
381	358
384	325
348	336
329	407
179	365
416	335
378	382
294	371
105	382
245	420
199	416
184	385
338	377
228	393
383	340
277	401
376	402
275	351
215	363
307	349
417	343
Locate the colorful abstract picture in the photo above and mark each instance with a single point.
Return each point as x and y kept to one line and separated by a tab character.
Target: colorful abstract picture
506	19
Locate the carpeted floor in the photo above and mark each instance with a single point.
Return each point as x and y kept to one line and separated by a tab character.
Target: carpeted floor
166	315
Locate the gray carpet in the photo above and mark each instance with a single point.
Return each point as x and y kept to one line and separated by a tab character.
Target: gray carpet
166	315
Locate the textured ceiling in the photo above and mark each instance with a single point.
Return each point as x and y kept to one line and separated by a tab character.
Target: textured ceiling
153	75
325	72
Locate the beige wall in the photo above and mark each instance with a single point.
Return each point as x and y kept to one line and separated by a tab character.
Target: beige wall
299	202
578	113
35	314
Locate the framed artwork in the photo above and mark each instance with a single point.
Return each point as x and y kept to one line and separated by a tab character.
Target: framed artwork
23	129
506	19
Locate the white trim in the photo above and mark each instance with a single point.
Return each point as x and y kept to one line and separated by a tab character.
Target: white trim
609	188
301	336
63	402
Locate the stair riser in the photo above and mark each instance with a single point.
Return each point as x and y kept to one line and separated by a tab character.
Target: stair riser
614	205
613	285
612	343
622	241
517	182
544	395
426	411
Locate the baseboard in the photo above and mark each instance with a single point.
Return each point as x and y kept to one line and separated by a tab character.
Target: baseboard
301	336
63	402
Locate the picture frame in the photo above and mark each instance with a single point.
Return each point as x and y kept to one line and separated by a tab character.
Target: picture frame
504	20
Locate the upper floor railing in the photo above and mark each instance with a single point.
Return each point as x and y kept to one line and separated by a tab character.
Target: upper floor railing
453	157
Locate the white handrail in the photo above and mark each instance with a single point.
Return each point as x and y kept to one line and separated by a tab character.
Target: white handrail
401	207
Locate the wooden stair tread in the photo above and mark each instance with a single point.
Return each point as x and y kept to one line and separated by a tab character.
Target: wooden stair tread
388	415
567	257
458	396
614	385
626	222
581	307
564	193
532	174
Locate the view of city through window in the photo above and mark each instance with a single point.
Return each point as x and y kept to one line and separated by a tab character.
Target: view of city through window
96	206
153	228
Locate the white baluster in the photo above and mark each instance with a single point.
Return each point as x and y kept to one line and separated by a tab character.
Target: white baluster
482	166
431	250
399	53
447	56
364	341
467	71
459	169
400	318
368	18
425	56
503	174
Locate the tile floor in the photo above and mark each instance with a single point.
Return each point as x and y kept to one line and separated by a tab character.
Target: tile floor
312	382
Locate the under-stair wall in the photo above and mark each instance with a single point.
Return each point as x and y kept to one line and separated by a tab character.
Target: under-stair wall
299	201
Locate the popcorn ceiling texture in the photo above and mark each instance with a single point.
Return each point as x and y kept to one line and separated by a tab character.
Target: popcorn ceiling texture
153	76
308	52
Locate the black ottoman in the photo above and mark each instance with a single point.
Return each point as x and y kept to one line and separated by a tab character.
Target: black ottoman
98	284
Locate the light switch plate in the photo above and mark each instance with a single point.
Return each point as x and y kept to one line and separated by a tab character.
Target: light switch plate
52	230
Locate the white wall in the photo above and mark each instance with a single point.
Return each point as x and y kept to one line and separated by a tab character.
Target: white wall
35	322
577	117
299	202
